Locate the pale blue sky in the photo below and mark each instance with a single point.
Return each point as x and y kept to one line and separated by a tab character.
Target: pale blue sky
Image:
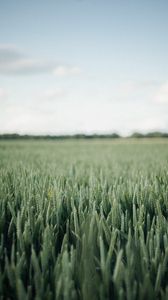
83	66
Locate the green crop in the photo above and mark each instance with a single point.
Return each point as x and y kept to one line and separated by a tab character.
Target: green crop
84	220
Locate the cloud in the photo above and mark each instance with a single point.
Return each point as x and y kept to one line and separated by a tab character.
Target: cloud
14	62
9	53
127	88
53	94
3	94
66	70
162	94
131	87
134	90
156	123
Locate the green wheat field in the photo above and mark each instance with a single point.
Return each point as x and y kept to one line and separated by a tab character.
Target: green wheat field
84	219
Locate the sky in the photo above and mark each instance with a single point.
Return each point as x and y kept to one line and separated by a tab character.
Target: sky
83	66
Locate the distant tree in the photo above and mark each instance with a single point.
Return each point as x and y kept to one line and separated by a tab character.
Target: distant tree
137	135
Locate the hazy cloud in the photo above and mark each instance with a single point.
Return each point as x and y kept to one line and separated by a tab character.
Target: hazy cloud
9	53
14	62
53	94
130	87
66	70
3	94
155	123
162	94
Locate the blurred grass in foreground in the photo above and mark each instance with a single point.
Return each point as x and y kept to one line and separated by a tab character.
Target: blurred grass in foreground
84	219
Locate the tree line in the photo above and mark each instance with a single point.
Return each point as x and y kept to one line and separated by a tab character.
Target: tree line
15	136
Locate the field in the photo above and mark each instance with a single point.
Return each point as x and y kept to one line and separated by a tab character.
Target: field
84	219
